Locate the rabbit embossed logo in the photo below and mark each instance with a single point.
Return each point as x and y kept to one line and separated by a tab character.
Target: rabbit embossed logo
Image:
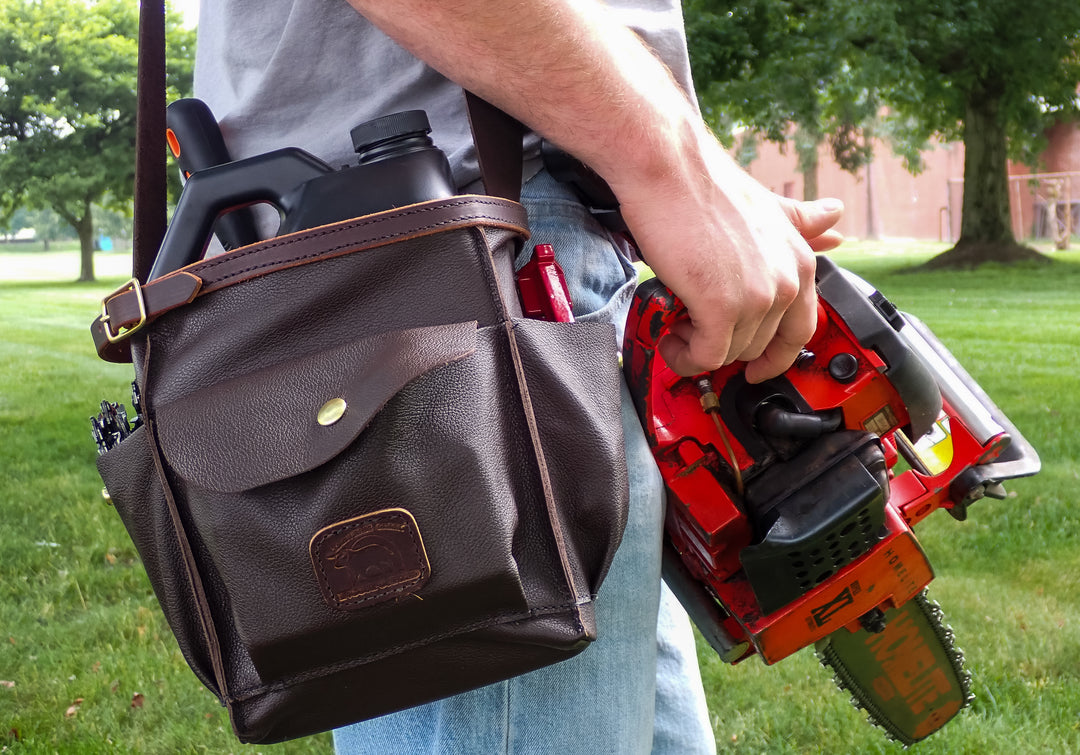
370	559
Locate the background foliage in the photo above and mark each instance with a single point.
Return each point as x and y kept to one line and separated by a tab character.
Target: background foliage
67	106
992	73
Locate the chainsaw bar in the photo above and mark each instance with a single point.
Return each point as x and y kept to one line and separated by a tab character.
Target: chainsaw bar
909	677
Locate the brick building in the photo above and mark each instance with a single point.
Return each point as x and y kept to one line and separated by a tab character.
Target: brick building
886	201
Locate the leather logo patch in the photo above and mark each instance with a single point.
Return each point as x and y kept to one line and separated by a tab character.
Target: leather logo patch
370	559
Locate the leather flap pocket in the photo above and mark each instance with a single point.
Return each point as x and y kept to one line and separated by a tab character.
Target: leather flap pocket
284	420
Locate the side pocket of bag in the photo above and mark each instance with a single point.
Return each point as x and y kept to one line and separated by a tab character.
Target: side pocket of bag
132	481
572	374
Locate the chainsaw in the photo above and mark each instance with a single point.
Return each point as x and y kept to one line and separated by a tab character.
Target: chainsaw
791	503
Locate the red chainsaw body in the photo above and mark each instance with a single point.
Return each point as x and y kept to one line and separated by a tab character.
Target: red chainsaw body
740	533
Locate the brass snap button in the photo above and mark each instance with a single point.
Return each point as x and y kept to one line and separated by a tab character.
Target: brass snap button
331	411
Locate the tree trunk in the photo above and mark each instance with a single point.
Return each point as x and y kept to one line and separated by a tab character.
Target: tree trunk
808	166
985	216
85	228
872	232
986	233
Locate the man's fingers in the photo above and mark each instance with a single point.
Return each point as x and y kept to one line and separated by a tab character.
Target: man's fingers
826	241
751	339
778	356
675	351
796	328
760	307
690	350
769	327
687	350
815	220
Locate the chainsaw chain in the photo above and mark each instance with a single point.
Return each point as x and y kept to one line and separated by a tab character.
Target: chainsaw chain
847	683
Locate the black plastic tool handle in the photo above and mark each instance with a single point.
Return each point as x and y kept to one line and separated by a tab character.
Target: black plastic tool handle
195	140
209	193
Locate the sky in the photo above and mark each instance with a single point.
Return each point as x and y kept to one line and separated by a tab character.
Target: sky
190	9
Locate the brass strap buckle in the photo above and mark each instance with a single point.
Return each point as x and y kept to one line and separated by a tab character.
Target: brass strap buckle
122	333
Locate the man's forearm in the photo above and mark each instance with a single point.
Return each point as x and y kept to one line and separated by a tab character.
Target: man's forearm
570	71
562	67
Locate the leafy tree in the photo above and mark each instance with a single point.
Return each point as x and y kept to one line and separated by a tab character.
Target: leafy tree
15	221
995	73
67	106
772	64
48	226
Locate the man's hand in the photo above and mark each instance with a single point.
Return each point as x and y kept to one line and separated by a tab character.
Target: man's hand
814	221
738	257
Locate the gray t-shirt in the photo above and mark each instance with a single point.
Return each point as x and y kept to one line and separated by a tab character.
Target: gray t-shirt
302	73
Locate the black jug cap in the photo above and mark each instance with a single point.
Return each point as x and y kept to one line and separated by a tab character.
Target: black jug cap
389	127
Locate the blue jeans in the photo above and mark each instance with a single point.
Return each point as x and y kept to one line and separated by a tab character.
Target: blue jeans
637	689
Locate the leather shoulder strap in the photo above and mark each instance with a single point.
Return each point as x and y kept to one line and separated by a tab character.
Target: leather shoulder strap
150	176
498	147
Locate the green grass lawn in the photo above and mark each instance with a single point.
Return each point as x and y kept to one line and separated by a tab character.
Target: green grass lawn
87	664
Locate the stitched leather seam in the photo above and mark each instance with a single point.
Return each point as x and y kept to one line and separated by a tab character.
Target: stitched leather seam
214	262
203	610
325	251
118	352
297	679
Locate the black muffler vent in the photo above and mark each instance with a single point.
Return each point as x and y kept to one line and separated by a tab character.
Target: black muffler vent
814	515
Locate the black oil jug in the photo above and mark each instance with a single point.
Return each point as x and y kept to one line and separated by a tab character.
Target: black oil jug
398	166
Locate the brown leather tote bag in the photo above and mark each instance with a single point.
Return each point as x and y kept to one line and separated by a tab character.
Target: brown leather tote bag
362	481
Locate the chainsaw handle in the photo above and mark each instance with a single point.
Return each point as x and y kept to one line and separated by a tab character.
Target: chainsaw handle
655	309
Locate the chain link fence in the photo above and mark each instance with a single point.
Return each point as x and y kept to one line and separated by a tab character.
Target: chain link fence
1044	207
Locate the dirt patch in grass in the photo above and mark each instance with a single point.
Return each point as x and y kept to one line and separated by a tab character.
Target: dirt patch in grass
967	255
